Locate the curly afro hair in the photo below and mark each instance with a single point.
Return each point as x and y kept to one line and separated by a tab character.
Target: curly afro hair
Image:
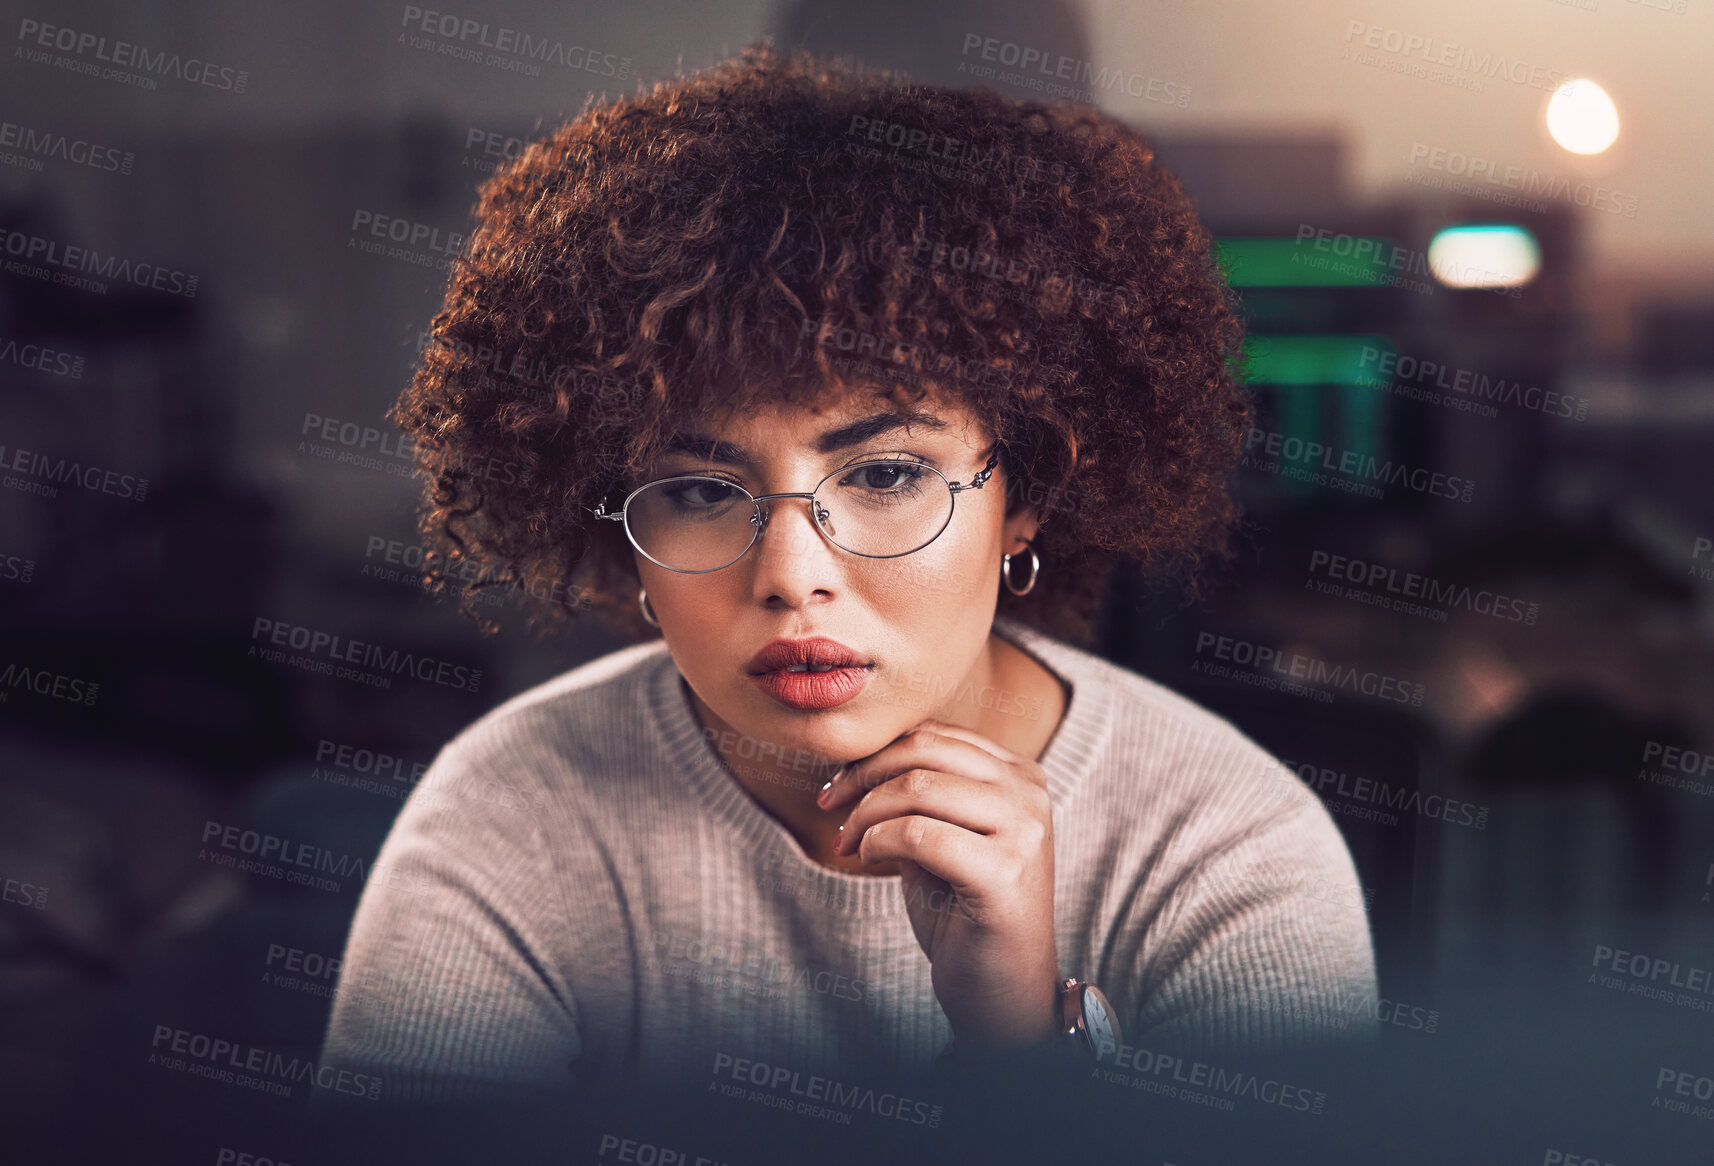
780	226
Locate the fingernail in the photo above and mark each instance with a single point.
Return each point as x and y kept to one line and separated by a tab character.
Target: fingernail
839	841
821	798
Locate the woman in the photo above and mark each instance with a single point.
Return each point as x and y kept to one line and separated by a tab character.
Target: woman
854	390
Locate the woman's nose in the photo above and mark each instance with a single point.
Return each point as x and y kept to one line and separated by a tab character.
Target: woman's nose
795	531
813	510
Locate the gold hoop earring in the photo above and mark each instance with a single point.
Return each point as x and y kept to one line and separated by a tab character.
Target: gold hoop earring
648	613
1006	571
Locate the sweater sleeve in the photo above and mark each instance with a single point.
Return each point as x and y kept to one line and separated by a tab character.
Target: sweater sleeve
444	991
1263	944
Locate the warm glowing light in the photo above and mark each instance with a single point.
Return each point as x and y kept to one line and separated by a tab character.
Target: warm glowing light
1492	255
1582	118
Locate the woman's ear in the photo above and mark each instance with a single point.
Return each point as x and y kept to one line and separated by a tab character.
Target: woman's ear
1020	526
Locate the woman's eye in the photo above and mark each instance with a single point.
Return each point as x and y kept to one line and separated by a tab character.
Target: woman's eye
703	493
886	475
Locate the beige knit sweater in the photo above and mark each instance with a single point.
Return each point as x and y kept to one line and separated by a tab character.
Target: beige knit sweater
578	884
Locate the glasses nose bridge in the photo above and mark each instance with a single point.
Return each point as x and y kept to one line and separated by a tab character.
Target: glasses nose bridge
767	512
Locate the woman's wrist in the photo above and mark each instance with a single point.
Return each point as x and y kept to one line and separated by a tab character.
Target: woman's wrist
1011	1042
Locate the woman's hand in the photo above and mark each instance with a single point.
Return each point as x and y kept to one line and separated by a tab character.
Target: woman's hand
970	825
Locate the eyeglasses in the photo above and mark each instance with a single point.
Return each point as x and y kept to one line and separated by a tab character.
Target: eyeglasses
884	509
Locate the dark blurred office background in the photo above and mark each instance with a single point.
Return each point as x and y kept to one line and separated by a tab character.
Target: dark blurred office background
1434	285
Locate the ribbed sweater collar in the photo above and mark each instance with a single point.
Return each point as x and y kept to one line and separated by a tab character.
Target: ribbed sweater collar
1076	746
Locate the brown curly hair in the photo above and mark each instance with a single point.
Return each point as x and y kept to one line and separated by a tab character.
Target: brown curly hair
781	225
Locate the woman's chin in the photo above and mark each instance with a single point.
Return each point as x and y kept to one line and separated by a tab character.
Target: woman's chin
839	734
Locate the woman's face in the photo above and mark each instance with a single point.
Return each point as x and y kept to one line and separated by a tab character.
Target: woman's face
921	622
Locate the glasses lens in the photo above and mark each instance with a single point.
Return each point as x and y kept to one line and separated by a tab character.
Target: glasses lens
881	509
691	524
885	508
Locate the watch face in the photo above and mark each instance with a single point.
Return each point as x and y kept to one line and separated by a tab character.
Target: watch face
1099	1021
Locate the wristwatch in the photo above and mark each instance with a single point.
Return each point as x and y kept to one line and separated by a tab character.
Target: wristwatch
1088	1028
1087	1020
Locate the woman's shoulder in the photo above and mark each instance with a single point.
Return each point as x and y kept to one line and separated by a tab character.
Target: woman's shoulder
1163	754
1139	711
596	709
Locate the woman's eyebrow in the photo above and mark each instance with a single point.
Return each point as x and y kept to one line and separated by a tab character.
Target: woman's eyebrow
855	433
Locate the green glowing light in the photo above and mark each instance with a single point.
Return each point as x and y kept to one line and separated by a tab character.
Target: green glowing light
1316	360
1345	262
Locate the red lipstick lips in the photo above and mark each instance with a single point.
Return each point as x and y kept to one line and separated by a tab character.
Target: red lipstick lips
841	674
